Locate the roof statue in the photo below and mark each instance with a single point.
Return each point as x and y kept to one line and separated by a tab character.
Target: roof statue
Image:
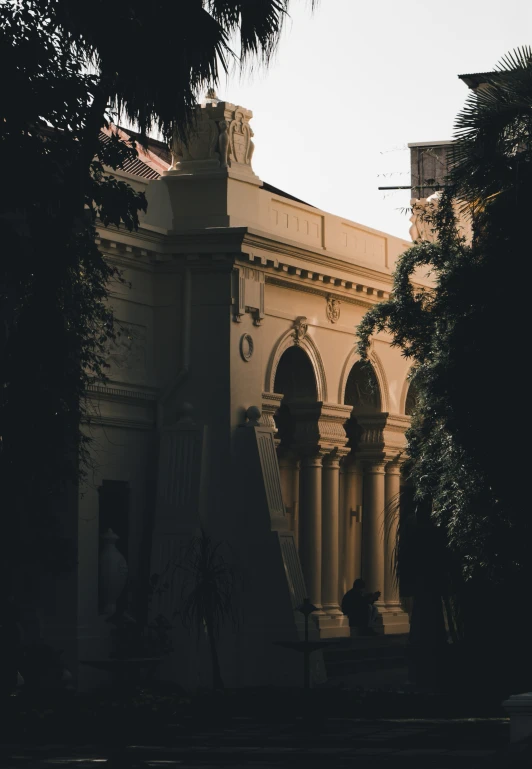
211	95
221	138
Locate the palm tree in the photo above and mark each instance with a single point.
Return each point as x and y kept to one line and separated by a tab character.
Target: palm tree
152	59
493	133
207	595
477	506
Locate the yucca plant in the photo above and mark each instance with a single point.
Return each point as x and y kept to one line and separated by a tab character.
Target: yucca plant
207	595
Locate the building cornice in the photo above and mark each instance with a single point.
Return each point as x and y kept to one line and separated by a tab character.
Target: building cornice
284	262
283	251
121	422
114	392
299	284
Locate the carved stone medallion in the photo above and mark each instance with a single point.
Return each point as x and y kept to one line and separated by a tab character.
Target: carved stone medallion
333	309
246	346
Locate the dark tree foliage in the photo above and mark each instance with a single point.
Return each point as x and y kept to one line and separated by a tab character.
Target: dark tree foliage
184	46
53	280
67	66
466	339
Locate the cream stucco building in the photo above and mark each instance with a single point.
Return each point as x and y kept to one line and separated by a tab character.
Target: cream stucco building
243	296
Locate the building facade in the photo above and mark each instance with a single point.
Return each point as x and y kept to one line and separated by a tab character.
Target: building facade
237	344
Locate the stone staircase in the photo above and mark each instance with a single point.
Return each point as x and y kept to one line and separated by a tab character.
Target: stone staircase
374	661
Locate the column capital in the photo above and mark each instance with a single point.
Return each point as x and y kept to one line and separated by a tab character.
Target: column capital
352	464
332	459
287	457
312	460
393	468
374	466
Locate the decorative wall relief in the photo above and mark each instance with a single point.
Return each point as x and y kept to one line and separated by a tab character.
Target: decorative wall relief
201	143
220	138
300	329
246	347
223	143
127	354
333	309
240	134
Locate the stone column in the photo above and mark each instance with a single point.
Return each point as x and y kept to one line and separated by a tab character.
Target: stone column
330	500
342	533
373	526
392	489
285	472
295	500
353	541
310	525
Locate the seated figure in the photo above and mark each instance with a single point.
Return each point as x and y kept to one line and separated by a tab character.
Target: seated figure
360	607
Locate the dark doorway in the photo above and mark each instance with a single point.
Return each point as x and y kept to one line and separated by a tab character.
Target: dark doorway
294	377
362	389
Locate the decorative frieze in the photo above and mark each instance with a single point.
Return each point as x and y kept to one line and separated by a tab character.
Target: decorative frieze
310	428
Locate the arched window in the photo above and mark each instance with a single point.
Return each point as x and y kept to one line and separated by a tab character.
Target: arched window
362	389
294	377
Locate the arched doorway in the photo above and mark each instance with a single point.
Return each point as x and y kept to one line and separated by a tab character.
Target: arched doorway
294	378
362	389
296	382
363	534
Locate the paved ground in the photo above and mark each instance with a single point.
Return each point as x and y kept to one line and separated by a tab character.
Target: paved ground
382	744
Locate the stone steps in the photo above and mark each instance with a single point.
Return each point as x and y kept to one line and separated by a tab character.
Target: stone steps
358	655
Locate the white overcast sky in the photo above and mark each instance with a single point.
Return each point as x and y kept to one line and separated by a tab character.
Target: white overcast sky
355	81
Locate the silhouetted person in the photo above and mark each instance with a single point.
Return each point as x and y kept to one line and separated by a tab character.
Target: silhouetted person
360	608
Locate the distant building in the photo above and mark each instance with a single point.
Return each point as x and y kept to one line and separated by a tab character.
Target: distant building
430	163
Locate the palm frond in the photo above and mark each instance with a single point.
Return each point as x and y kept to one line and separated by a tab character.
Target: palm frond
208	586
519	58
185	47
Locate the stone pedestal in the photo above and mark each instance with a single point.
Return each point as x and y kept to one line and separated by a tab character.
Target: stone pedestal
519	709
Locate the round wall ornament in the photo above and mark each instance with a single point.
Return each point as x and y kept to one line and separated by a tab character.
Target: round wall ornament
246	346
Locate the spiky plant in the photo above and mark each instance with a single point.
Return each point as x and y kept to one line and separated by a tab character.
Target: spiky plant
207	594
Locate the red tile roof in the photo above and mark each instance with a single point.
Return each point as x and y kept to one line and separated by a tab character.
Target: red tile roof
147	165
